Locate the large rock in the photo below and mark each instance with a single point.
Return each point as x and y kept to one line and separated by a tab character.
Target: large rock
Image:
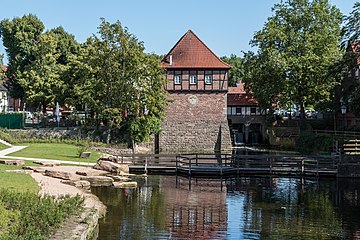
119	178
98	181
112	167
47	163
125	184
61	174
13	162
79	183
91	172
35	169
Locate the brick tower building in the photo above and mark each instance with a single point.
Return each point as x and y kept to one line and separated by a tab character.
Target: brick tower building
197	82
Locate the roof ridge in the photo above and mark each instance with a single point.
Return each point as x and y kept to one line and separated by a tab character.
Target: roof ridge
208	48
187	47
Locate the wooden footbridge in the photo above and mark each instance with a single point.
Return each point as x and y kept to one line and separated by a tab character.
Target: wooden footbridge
219	165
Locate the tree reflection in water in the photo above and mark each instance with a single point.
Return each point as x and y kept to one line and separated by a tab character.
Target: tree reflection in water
166	207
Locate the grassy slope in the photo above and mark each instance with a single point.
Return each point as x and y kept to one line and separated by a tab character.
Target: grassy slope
57	151
17	181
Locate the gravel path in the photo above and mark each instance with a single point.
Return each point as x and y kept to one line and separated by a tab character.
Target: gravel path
54	187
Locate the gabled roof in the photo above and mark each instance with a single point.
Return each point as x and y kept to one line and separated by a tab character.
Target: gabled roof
238	96
191	52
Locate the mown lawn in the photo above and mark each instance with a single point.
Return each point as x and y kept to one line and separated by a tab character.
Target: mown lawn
17	181
2	146
55	151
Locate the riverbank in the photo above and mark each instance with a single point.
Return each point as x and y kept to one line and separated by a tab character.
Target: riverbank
79	226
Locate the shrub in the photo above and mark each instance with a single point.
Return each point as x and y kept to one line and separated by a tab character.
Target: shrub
35	217
311	143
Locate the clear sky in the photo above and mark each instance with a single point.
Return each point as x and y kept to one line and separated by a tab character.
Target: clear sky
225	26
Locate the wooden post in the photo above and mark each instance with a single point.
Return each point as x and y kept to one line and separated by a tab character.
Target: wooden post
221	167
176	163
190	166
302	166
146	165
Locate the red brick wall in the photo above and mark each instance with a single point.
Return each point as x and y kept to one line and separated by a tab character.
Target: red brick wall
195	122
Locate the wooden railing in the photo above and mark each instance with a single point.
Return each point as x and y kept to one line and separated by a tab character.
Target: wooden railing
228	164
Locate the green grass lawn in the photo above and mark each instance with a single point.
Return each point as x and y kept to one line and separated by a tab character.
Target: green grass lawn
56	151
2	146
17	181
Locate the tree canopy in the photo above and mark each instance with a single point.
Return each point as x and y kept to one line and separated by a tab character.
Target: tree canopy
38	60
350	90
20	37
295	49
121	84
236	73
351	28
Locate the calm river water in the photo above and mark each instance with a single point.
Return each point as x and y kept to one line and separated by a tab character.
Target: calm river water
169	207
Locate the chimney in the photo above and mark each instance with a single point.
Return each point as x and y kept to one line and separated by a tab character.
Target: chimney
171	60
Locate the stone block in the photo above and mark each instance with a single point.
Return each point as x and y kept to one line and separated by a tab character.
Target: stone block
13	162
125	184
111	166
99	181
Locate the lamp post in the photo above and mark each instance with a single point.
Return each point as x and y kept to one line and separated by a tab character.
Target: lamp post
343	109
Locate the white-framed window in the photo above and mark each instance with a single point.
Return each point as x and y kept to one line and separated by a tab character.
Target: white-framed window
229	111
356	70
208	79
177	79
193	79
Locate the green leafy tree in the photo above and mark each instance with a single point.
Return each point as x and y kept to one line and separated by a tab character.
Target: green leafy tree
121	84
351	29
38	62
349	90
66	48
236	73
20	37
41	80
295	48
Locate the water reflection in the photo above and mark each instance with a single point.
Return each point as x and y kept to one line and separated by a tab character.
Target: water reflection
166	207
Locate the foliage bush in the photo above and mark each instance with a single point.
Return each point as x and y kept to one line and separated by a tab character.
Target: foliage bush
29	216
311	143
18	137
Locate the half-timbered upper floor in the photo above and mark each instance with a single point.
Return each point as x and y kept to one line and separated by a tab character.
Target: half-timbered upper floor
191	66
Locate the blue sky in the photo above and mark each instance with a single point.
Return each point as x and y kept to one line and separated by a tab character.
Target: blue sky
225	26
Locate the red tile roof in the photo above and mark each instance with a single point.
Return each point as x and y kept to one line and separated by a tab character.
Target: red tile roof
191	52
238	96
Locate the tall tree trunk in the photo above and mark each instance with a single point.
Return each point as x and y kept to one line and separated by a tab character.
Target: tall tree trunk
44	108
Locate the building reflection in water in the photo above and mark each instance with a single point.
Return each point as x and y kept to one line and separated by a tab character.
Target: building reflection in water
196	208
166	207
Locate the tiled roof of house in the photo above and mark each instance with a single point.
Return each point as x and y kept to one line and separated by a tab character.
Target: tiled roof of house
191	52
238	96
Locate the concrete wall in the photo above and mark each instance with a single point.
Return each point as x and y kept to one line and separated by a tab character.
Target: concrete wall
195	122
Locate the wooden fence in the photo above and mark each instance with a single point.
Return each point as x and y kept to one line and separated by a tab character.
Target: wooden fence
228	164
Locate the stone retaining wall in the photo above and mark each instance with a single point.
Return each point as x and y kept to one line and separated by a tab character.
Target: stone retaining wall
83	226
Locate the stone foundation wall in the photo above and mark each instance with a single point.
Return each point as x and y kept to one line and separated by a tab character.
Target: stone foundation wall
195	123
